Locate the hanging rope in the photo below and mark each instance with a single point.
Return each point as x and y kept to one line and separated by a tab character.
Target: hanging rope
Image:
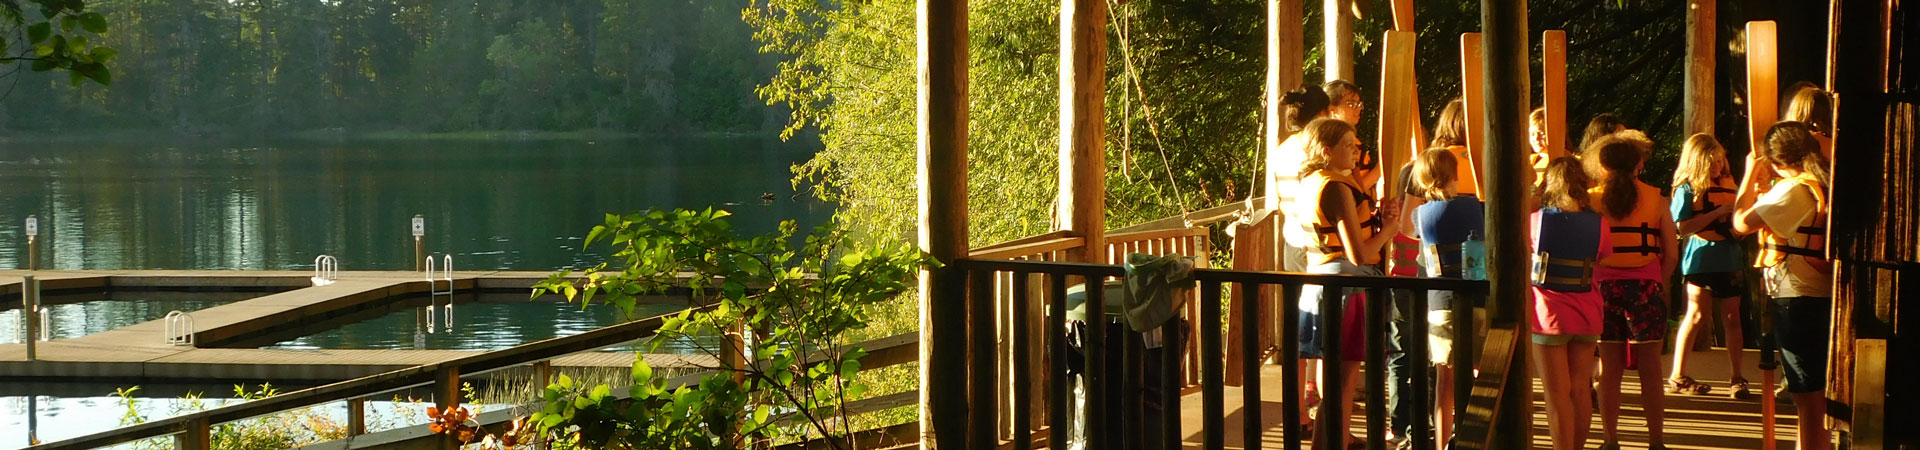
1153	127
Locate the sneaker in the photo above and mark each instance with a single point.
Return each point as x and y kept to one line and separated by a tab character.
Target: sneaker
1686	385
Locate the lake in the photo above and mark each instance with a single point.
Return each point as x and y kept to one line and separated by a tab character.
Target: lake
493	205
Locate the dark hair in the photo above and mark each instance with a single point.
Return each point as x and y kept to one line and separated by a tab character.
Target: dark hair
1338	90
1303	104
1450	129
1616	162
1601	126
1792	144
1813	106
1322	134
1565	185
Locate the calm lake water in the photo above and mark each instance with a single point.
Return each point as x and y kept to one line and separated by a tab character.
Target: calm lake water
494	206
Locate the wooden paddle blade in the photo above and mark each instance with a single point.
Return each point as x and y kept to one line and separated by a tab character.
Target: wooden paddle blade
1397	108
1403	15
1471	77
1553	71
1763	80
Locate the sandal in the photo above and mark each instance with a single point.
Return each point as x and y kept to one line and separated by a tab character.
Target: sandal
1686	385
1739	387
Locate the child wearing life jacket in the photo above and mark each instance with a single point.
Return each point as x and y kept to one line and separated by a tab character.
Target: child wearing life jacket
1349	235
1403	261
1450	133
1790	215
1703	193
1814	107
1444	222
1301	106
1568	241
1631	280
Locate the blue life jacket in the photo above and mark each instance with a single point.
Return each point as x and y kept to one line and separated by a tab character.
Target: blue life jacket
1566	250
1444	225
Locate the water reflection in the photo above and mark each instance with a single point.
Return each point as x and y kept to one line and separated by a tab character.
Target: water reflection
495	205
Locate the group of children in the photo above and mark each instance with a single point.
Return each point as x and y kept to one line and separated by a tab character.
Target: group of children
1604	245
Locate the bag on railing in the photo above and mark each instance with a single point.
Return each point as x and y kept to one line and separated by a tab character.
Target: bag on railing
1152	284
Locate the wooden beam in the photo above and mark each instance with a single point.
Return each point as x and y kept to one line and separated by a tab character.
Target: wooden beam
1417	138
1285	55
1083	126
941	148
1870	394
1339	39
1553	80
1868	216
1702	23
1503	186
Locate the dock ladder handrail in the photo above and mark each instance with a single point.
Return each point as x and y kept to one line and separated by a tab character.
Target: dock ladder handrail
326	269
433	287
180	328
46	325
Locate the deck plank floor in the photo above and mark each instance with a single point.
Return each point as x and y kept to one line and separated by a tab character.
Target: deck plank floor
1711	421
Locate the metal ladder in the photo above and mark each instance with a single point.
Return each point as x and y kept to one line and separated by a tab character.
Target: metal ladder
434	280
180	328
326	269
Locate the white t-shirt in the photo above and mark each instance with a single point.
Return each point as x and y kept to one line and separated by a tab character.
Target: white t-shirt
1784	209
1284	177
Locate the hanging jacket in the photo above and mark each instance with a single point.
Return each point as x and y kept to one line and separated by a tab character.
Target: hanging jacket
1636	237
1565	253
1326	231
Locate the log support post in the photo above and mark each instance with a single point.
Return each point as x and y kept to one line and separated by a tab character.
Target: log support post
1504	30
1083	127
941	149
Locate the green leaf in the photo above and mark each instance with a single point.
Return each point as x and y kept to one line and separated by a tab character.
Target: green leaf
68	23
583	402
760	415
565	381
102	75
93	22
600	393
552	420
849	367
641	371
38	32
104	54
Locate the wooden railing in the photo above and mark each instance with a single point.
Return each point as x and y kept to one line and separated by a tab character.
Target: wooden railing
1129	428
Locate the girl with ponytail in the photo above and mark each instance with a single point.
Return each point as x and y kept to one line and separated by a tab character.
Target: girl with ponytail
1631	280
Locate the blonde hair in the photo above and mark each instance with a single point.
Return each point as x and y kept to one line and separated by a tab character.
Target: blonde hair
1322	134
1433	170
1565	185
1813	106
1450	129
1696	162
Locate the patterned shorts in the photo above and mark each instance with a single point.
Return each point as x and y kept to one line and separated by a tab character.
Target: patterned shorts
1634	311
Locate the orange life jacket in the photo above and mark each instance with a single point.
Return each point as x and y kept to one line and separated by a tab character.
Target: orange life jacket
1775	247
1636	237
1327	245
1719	194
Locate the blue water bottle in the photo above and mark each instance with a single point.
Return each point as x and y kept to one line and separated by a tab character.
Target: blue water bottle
1473	257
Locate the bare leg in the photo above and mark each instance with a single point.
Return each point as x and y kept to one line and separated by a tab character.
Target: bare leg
1689	327
1653	397
1580	364
1812	407
1443	402
1736	336
1612	364
1550	361
1350	371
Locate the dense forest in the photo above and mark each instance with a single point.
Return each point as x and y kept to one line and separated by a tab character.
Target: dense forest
250	67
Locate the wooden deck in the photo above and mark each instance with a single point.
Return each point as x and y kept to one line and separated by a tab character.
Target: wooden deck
1692	422
140	351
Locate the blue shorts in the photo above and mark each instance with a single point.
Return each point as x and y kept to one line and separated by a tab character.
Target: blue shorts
1801	328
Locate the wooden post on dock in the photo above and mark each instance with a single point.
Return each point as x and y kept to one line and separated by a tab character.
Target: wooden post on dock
197	436
1285	53
1701	46
30	312
357	416
419	243
446	396
941	147
1504	135
1083	127
33	242
1339	39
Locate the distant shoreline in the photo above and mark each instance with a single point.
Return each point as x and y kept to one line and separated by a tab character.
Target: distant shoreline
346	135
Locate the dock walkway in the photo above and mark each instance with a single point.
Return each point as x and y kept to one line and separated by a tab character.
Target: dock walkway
141	351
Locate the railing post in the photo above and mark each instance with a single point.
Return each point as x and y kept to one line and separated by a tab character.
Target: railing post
1059	392
1213	408
356	416
1096	359
446	395
982	434
1249	330
1021	342
1332	426
941	151
1504	30
197	436
1416	343
1290	356
1378	301
30	312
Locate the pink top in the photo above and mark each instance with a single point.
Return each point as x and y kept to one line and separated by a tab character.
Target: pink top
1569	313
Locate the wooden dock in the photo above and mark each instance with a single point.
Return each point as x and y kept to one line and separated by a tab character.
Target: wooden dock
141	351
